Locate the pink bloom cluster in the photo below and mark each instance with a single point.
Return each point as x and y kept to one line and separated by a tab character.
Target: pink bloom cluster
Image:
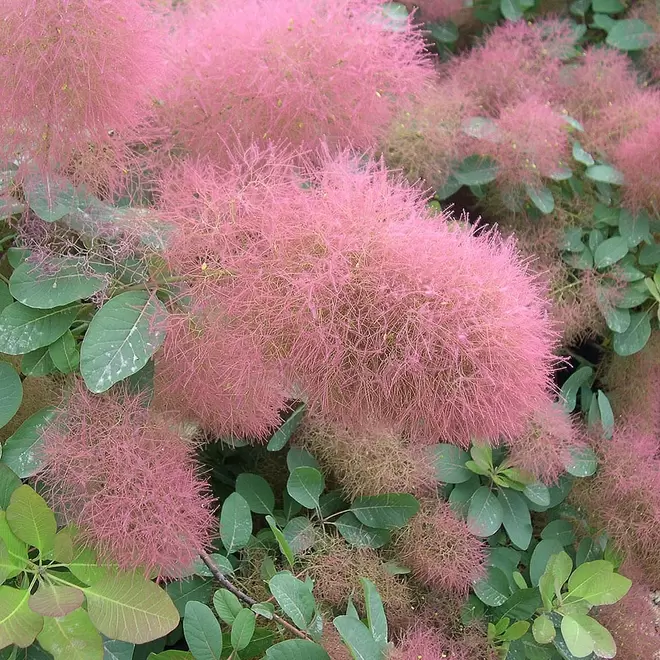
128	481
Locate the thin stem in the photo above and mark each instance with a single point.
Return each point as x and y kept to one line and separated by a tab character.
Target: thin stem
219	576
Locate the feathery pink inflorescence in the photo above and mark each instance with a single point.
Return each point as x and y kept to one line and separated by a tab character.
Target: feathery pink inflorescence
376	310
440	550
212	374
638	157
128	481
544	448
623	498
293	70
422	643
71	72
435	10
531	143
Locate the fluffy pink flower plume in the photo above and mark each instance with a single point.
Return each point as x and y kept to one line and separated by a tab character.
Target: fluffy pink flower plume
128	481
623	498
440	550
209	373
376	311
422	643
638	157
293	70
516	60
531	143
603	76
71	72
544	448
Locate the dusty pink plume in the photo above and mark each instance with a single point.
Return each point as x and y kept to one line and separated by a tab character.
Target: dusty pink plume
423	643
376	310
128	481
293	70
75	79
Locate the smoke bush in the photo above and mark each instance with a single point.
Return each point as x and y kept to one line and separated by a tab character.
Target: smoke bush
421	643
373	463
440	550
75	76
294	70
128	481
376	311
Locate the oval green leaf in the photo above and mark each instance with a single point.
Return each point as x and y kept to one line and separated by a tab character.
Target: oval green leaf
449	463
235	523
71	637
30	518
21	450
11	392
256	491
294	597
631	34
360	535
485	513
242	629
635	337
296	649
202	631
515	518
610	251
389	511
305	485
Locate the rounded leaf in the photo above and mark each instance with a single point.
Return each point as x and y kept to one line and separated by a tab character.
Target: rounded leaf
55	600
202	631
242	629
610	251
18	623
485	513
385	511
256	491
296	649
31	519
360	535
21	450
631	34
449	463
635	337
11	392
121	338
305	485
71	637
515	518
235	523
543	629
583	462
294	597
493	589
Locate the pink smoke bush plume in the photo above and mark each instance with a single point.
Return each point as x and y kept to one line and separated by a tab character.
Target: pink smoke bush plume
531	143
75	75
544	448
211	374
425	643
292	70
440	550
435	10
128	481
623	498
376	310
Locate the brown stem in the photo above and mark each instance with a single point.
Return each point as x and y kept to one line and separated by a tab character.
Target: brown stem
219	576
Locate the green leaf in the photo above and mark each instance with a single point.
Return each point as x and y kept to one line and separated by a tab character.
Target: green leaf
494	589
445	33
389	511
202	631
296	649
476	171
256	491
451	186
560	530
54	283
284	433
578	640
449	463
606	414
297	457
23	329
634	294
9	482
572	385
226	605
634	228
52	197
265	610
71	637
541	556
38	363
541	197
294	597
235	523
605	174
635	337
65	353
596	582
18	623
183	591
55	600
375	612
607	6
604	646
5	297
610	251
83	564
116	650
631	34
583	260
557	571
515	518
485	513
281	540
21	450
516	631
242	629
649	255
121	338
520	605
543	629
13	552
11	393
583	462
305	485
581	155
357	638
461	495
482	456
360	535
220	561
30	518
537	493
300	534
511	10
128	607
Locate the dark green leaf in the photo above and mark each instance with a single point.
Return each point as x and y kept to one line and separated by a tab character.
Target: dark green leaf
183	591
65	353
235	523
494	589
11	393
520	606
358	638
360	535
242	629
300	534
305	485
540	557
476	171
284	433
297	457
515	518
583	462
38	363
485	513
296	649
631	34
635	337
610	251
449	462
294	597
385	511
541	197
202	631
573	383
256	491
559	530
226	605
